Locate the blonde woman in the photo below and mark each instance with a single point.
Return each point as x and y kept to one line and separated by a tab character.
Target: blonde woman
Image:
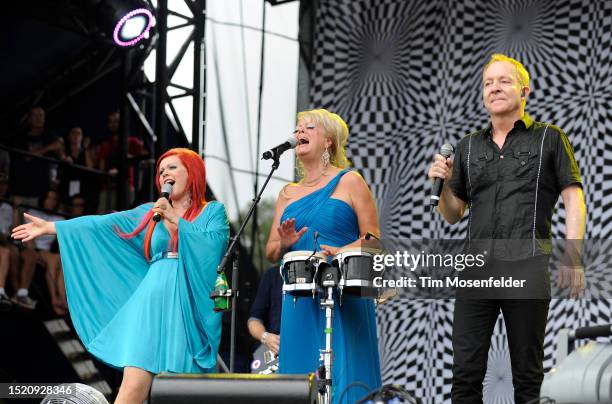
336	204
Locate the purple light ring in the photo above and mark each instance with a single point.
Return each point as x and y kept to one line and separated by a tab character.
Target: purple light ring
123	20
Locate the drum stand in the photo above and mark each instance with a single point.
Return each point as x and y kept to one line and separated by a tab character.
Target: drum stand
329	280
325	370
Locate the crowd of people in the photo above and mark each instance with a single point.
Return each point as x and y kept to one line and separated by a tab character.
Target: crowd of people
73	177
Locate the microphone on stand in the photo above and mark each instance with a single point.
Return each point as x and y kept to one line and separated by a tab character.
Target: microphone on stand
166	190
280	149
446	151
314	248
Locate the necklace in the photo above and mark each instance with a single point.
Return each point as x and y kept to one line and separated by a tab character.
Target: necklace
314	182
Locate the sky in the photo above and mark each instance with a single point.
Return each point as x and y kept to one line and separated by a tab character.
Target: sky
233	76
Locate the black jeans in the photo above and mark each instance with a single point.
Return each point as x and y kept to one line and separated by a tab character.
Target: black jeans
525	311
473	324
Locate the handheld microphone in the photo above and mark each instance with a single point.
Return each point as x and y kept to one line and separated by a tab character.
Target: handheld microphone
166	190
446	151
280	149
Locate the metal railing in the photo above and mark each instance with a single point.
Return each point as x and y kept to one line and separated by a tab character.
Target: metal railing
141	166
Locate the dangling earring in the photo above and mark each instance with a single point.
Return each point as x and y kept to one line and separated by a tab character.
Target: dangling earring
325	157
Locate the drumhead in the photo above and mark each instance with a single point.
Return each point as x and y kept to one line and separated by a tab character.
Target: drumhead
303	255
364	250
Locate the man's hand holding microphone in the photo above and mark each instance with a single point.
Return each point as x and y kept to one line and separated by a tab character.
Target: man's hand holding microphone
441	170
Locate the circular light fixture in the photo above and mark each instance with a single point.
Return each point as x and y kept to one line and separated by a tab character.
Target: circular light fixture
133	27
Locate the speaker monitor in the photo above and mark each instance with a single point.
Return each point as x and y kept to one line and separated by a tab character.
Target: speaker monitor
233	388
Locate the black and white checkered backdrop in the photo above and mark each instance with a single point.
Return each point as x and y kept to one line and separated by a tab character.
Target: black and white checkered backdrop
405	74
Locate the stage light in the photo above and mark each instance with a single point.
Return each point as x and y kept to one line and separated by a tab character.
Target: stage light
128	21
133	27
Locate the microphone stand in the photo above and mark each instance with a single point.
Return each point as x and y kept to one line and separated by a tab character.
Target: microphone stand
233	290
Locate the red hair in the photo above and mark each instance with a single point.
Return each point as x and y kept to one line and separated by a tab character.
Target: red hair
196	186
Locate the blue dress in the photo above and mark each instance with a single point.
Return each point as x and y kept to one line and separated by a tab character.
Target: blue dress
155	315
354	340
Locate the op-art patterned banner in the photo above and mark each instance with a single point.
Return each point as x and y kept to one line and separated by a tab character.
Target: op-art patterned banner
406	75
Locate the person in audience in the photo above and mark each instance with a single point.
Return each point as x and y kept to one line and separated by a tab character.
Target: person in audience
41	175
74	180
77	206
9	258
109	159
43	250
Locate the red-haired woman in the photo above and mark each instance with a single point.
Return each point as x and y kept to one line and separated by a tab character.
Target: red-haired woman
138	292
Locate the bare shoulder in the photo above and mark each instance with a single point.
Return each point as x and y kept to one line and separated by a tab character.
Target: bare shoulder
353	181
287	193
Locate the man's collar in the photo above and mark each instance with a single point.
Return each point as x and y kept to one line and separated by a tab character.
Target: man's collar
524	123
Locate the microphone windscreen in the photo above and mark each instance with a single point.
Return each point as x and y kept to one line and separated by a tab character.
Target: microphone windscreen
447	150
166	189
292	141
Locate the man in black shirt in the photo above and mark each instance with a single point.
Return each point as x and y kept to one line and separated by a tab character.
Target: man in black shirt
509	175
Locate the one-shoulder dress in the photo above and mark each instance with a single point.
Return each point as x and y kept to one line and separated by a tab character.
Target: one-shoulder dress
354	341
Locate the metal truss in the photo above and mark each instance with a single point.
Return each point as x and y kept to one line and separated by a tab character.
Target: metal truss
164	73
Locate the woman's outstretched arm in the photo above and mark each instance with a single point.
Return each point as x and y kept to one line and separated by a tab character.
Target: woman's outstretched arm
29	231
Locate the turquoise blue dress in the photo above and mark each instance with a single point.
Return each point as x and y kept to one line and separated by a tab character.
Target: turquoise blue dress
154	315
354	340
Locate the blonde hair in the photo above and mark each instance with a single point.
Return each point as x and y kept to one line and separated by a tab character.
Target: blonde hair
522	75
335	129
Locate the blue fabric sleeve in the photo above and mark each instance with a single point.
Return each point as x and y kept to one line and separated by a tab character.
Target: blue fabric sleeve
101	269
202	245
